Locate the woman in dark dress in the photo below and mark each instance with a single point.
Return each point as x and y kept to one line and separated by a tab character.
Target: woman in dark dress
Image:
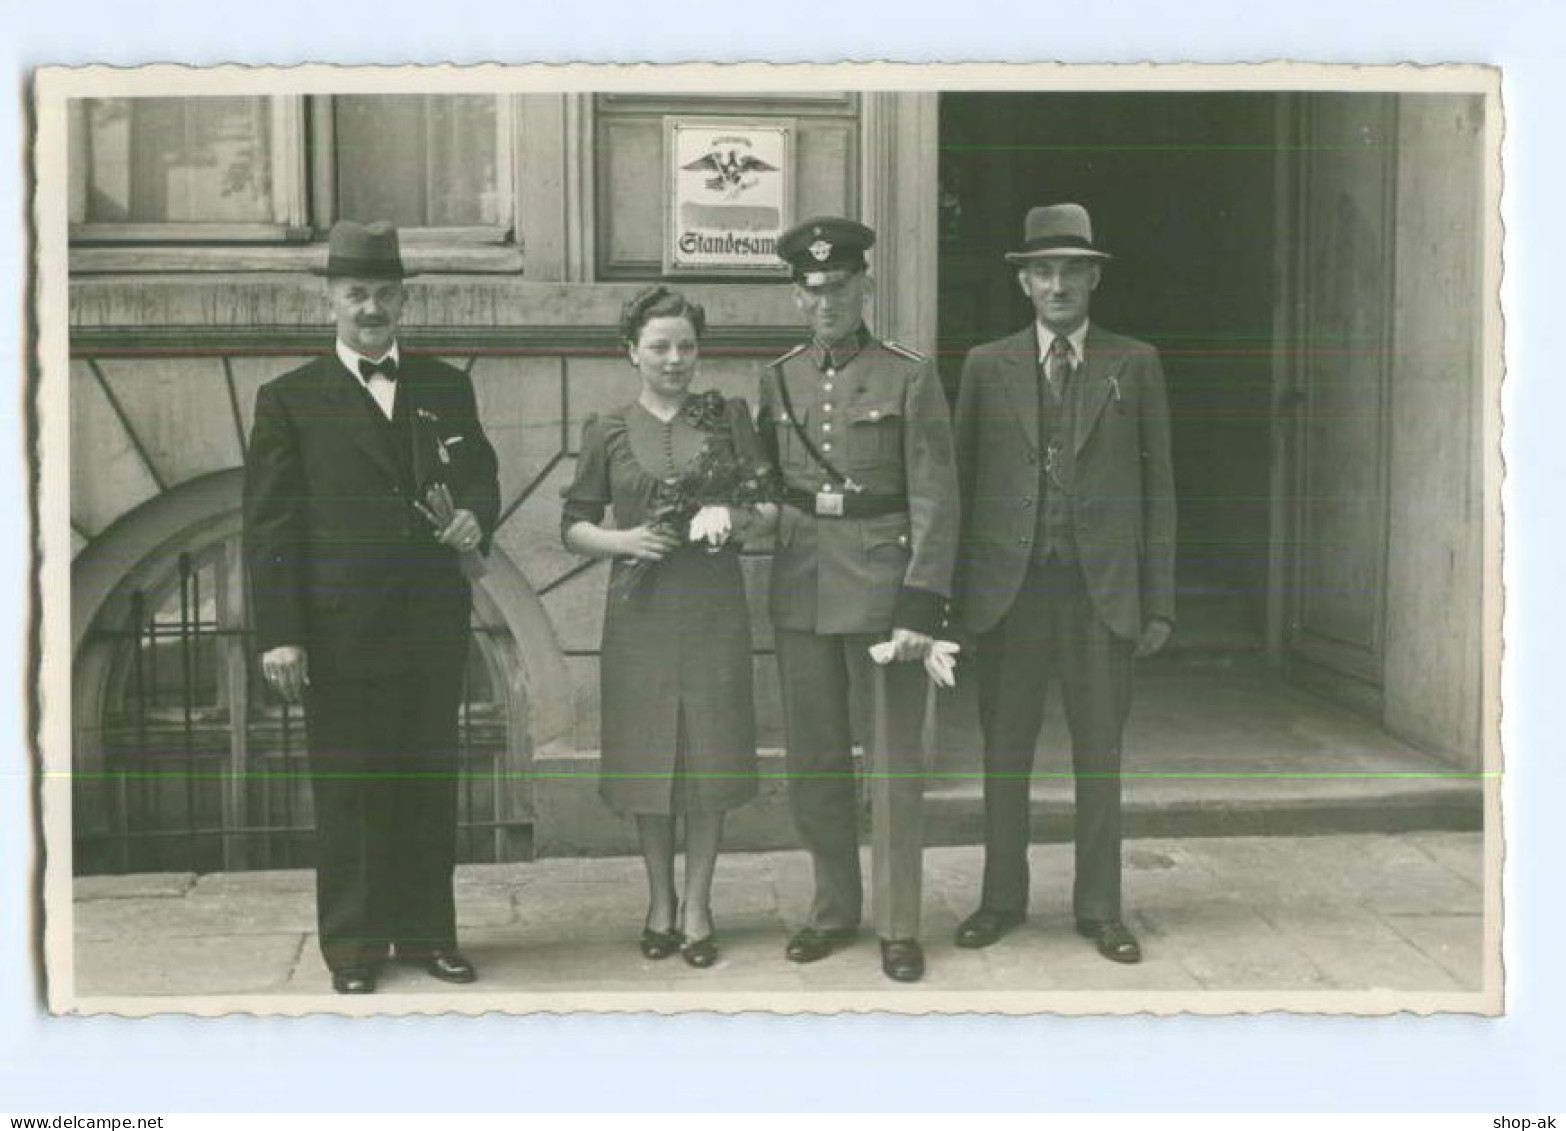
679	731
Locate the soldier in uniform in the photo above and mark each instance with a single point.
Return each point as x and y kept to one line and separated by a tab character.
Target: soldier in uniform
859	431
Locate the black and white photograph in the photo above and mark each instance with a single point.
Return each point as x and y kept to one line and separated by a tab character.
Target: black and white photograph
910	539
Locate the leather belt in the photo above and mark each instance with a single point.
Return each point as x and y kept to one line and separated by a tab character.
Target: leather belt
853	504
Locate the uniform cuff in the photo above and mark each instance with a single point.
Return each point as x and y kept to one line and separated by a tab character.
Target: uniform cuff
918	610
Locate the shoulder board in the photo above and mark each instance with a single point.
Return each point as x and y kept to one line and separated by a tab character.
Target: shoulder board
795	352
903	351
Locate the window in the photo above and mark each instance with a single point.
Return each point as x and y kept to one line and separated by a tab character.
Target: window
281	169
423	161
173	169
177	159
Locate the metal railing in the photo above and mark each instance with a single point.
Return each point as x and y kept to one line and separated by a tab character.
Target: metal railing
201	767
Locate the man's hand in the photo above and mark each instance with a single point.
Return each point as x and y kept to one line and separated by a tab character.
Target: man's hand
1155	635
287	669
910	645
458	529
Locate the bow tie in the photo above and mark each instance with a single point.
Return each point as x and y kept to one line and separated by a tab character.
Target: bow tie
386	367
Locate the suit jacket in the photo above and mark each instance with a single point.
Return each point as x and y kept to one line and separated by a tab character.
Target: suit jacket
1124	515
340	561
882	420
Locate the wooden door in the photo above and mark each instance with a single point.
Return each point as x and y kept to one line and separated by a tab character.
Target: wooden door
1336	335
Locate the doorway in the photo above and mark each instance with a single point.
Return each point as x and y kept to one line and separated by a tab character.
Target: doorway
1182	191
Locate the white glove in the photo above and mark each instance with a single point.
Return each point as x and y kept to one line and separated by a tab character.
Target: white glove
940	663
712	525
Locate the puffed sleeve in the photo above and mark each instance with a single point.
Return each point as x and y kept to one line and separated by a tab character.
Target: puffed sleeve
587	498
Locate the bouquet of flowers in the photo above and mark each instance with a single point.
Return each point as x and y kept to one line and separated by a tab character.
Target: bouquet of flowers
719	476
436	503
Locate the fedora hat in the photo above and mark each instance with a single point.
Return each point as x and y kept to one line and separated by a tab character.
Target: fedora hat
1062	230
363	251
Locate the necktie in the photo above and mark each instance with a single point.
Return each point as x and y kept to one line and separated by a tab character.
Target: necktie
386	367
1057	365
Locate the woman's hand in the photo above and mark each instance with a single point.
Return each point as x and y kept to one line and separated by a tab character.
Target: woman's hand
713	525
645	543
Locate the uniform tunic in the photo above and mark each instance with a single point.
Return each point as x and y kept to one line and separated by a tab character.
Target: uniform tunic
876	412
679	727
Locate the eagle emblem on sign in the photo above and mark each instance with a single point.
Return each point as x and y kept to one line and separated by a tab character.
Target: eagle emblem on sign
732	171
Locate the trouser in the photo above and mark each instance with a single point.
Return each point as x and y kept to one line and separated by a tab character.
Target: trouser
1052	629
824	679
383	764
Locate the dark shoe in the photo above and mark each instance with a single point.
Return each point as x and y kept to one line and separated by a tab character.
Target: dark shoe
448	966
812	945
985	927
701	953
1113	940
354	980
658	945
902	960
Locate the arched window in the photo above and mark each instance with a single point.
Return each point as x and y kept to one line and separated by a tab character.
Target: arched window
185	760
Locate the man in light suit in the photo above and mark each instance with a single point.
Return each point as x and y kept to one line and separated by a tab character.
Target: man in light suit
367	476
859	432
1066	567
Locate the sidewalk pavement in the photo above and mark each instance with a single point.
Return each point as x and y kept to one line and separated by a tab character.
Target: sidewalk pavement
1345	913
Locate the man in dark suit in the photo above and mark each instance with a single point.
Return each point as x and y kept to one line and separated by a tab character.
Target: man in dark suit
1066	567
859	431
367	478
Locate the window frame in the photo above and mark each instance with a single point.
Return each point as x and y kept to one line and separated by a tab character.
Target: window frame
289	191
304	209
322	111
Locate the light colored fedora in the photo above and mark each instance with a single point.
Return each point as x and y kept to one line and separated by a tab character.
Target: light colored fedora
1061	230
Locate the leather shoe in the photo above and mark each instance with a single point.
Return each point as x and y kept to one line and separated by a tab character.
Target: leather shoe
658	945
701	953
813	944
902	960
448	966
1113	940
985	927
354	980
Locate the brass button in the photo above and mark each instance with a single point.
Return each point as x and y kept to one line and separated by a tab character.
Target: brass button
1027	502
827	407
826	445
826	427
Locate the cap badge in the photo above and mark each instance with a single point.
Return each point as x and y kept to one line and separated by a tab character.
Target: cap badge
820	251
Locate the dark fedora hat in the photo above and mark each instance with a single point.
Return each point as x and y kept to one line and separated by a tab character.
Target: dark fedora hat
1062	230
363	251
